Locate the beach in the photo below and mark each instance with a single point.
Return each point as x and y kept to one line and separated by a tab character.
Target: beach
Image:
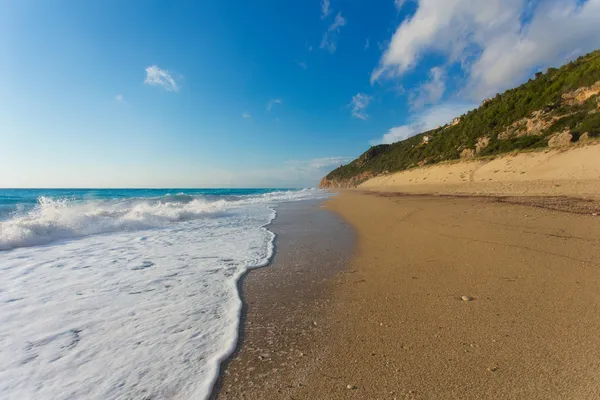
443	297
127	293
285	303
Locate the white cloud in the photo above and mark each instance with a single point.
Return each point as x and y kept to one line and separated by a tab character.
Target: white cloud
367	44
497	42
120	99
302	64
359	104
160	77
325	11
425	121
330	37
246	115
399	4
293	173
430	92
319	163
271	103
558	31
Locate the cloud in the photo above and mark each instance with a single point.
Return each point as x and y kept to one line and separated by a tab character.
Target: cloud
325	11
246	115
271	103
302	64
367	44
292	173
120	99
558	31
320	163
399	4
359	104
330	37
160	77
310	171
430	92
425	121
497	43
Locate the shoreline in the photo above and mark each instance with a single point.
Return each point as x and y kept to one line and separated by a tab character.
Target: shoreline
300	270
392	323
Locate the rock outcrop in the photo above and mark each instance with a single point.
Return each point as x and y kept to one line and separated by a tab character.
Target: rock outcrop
561	139
481	144
533	125
581	95
467	154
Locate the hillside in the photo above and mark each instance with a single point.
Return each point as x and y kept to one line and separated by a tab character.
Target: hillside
554	109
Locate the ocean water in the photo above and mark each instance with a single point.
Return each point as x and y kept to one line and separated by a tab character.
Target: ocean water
127	294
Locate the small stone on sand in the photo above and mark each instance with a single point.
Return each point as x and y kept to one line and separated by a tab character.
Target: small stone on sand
350	387
466	298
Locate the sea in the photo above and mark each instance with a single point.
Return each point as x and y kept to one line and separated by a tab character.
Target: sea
128	293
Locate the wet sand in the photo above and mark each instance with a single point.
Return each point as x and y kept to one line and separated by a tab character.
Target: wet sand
284	303
393	323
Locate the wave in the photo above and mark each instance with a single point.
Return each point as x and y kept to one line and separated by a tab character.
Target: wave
54	219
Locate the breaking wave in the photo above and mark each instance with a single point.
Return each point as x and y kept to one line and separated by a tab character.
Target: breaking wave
53	219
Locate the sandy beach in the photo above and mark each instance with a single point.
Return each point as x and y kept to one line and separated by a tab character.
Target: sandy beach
392	323
573	171
285	303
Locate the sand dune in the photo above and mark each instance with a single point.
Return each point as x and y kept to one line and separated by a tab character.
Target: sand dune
575	171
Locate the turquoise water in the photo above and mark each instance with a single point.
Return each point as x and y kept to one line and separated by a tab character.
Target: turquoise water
12	200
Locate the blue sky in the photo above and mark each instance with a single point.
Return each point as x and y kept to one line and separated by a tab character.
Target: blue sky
262	93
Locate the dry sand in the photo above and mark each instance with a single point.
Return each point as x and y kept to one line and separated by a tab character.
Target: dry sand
548	172
393	324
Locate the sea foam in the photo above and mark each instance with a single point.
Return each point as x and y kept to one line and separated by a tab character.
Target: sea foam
130	298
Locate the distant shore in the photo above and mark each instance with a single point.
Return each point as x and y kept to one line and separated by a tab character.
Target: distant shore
571	171
445	298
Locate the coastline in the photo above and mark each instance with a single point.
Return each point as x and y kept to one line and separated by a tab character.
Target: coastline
284	302
392	324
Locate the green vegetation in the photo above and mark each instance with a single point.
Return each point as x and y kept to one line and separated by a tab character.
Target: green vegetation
495	119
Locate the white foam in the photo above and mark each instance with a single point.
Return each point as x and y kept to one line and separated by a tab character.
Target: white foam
58	219
146	309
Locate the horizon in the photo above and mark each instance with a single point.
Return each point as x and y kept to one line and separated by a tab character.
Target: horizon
269	95
155	188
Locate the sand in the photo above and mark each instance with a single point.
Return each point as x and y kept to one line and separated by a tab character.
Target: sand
285	301
559	172
392	324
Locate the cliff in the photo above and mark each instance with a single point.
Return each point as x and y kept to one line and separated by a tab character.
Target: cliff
556	109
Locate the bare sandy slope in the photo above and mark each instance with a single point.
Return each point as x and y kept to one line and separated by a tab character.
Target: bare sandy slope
575	171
